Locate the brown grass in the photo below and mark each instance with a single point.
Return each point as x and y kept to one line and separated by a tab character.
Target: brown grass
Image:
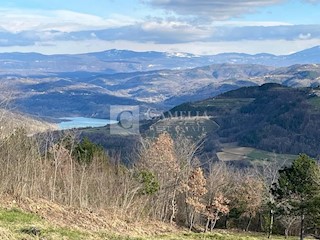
87	220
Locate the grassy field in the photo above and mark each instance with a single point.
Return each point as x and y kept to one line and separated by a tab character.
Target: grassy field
17	224
211	236
224	103
260	155
233	152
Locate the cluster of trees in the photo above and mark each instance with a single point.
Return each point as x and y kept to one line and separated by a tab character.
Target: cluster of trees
167	183
269	198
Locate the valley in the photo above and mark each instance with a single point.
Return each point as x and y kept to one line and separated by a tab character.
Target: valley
231	93
89	95
160	119
234	115
230	119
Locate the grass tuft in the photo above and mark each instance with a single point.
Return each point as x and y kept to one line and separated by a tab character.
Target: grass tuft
17	216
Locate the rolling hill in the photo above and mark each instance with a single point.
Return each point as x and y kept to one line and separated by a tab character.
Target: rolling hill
270	117
87	94
11	121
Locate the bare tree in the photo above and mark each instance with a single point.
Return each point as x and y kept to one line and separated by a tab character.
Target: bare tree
218	186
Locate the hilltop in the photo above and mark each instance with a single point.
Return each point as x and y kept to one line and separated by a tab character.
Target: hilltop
11	121
271	117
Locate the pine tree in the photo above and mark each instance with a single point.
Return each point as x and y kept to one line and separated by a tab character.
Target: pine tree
297	189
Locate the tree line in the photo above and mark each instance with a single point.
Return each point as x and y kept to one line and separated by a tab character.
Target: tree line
166	183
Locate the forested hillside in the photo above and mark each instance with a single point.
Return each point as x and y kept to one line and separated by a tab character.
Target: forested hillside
269	117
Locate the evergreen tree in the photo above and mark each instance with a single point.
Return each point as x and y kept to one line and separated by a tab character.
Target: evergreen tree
297	190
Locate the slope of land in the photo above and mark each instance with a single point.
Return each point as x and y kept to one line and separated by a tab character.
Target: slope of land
11	121
29	219
271	117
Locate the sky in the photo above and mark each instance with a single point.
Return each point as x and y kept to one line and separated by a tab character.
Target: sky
200	27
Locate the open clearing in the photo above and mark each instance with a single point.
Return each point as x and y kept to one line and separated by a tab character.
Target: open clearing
232	152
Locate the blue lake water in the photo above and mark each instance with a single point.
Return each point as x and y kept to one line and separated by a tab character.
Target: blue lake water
82	122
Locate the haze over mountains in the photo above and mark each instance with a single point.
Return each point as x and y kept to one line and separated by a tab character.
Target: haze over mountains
87	84
115	61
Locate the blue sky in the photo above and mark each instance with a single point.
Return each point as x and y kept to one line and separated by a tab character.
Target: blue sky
196	26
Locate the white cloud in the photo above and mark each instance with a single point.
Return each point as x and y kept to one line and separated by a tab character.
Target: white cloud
75	32
178	31
249	23
15	21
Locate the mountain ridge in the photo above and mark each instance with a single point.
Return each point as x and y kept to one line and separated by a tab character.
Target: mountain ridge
116	61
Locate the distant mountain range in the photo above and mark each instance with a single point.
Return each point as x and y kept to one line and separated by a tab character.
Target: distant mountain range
87	94
116	61
87	84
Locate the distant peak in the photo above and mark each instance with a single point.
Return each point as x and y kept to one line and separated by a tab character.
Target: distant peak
180	54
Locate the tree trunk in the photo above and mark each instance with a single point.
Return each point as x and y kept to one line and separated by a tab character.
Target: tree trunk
248	225
271	223
261	223
173	206
214	222
187	219
207	225
191	221
286	232
302	226
226	222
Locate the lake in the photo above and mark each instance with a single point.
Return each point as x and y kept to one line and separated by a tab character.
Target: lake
82	122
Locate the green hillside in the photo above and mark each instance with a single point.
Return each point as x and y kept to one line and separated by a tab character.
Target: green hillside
271	117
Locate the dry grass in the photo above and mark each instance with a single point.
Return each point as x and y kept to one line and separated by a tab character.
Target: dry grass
53	218
19	217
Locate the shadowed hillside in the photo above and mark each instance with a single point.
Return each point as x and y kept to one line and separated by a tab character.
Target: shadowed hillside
271	117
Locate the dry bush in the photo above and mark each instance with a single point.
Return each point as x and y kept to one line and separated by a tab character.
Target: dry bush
30	169
49	169
159	158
